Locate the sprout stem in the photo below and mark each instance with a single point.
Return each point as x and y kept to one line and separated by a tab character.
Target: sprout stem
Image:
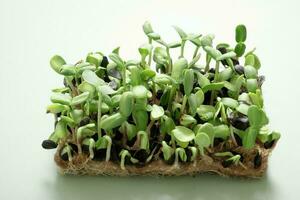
196	51
99	114
108	148
214	93
183	104
169	70
91	148
182	49
150	54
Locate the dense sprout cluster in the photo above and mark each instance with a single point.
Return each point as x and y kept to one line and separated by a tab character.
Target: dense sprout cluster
132	112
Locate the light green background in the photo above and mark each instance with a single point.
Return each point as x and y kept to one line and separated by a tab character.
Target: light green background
32	31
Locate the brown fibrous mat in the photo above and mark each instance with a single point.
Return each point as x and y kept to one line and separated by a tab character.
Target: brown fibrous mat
82	165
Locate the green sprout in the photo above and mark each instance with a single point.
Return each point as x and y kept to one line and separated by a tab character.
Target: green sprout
158	107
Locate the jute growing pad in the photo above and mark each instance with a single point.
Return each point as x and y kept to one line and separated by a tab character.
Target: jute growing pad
82	165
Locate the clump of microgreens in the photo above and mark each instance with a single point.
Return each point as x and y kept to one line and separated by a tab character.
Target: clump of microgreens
124	111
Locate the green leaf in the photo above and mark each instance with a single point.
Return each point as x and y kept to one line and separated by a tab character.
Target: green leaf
209	130
202	80
129	129
240	49
206	112
94	58
257	117
225	74
181	153
80	98
221	131
249	137
147	74
187	120
167	151
202	140
251	84
61	130
250	72
132	63
243	108
160	56
140	118
105	90
224	56
178	68
193	104
86	87
147	28
188	81
112	121
64	99
126	104
57	108
253	60
68	70
154	36
183	134
213	86
145	50
214	53
240	33
117	59
256	98
56	62
200	97
140	91
180	32
230	102
173	45
166	125
76	115
207	40
157	112
91	77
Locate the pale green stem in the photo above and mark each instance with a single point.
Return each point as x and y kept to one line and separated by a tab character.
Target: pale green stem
196	51
183	104
99	115
150	54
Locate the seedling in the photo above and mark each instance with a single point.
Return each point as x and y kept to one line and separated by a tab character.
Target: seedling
159	111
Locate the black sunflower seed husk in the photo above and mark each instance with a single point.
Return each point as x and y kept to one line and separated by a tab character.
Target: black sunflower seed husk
49	144
261	80
84	121
257	160
141	155
159	93
114	73
115	151
223	92
226	163
207	96
74	147
269	144
239	69
100	154
235	61
104	62
238	140
64	156
85	148
239	121
189	154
